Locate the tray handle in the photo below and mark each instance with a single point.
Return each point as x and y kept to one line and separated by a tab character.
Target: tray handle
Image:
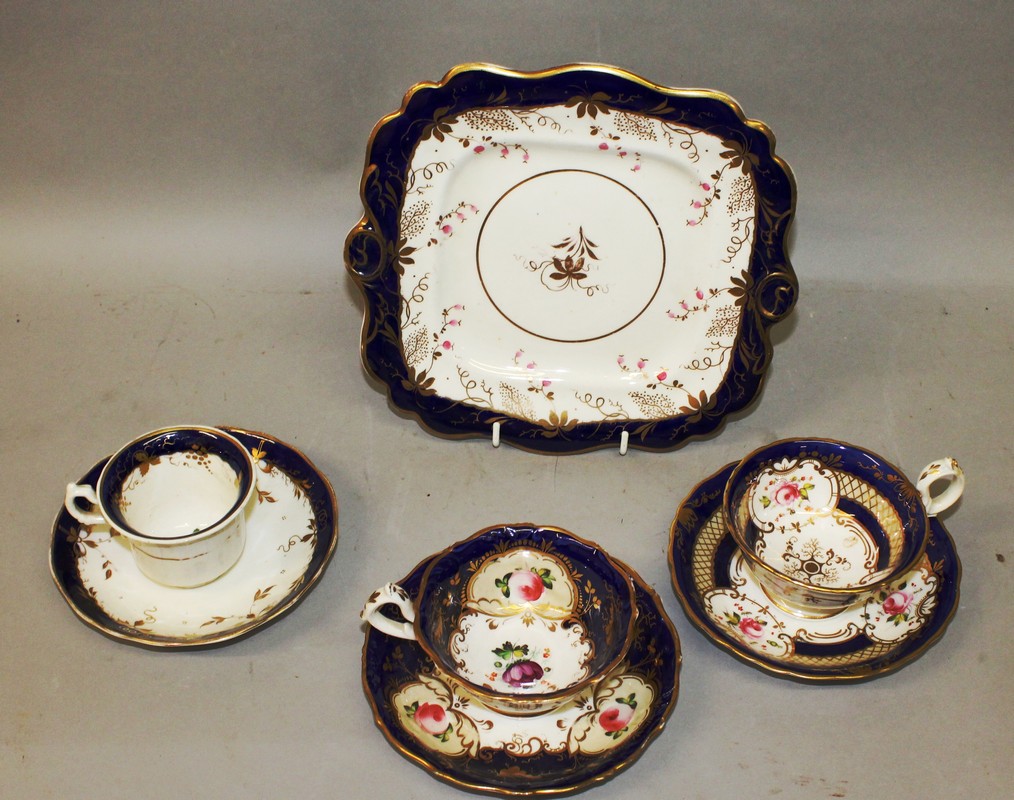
776	294
364	251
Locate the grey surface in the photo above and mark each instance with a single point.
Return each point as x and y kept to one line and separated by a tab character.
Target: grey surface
176	181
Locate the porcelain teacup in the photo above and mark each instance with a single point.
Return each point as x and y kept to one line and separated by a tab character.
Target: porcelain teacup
523	617
821	522
180	496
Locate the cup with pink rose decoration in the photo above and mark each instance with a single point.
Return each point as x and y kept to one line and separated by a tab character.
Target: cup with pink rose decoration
523	617
822	523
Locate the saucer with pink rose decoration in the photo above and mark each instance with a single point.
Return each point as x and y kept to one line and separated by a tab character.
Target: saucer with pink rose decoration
452	732
880	629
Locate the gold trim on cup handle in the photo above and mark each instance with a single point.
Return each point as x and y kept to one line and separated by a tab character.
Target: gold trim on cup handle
84	492
948	471
390	593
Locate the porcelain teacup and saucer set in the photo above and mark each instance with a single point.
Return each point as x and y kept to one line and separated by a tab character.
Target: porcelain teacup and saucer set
522	660
818	560
193	535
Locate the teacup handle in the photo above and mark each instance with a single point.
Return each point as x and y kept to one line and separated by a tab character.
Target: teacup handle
390	593
85	492
946	469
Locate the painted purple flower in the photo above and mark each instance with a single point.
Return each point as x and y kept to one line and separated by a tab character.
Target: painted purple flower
522	673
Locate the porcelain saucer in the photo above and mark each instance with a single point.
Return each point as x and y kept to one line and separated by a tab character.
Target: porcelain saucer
291	537
884	630
443	729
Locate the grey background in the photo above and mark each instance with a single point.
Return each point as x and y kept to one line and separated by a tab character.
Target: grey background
176	181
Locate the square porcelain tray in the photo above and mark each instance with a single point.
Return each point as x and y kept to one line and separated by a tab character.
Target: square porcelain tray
571	259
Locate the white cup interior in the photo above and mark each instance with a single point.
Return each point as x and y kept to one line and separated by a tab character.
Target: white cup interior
178	495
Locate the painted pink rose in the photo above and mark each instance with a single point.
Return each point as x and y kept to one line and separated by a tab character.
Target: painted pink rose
603	146
546	384
897	603
525	586
478	148
700	294
431	718
446	345
748	626
662	376
787	493
522	673
446	229
616	717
